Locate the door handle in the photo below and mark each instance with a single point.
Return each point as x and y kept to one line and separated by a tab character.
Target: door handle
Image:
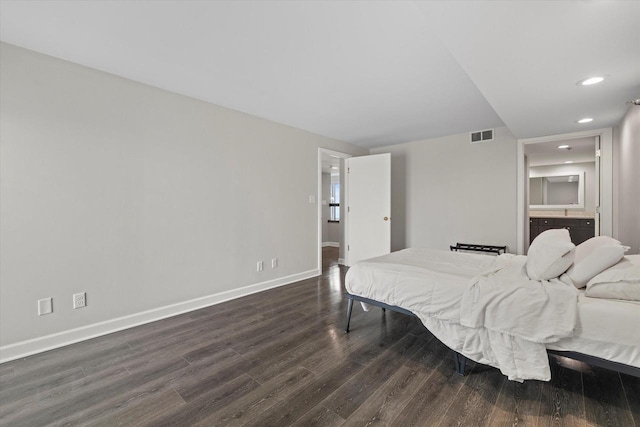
386	218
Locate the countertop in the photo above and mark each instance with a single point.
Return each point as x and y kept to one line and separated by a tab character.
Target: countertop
561	216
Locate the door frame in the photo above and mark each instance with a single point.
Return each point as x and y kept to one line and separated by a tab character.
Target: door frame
606	181
341	155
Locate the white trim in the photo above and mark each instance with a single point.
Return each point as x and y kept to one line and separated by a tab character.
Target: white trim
61	339
606	179
521	210
341	261
332	244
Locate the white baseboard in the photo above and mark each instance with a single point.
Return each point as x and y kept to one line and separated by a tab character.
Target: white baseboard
61	339
332	244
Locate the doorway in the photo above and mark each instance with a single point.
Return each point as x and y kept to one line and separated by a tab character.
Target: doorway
585	161
330	216
563	187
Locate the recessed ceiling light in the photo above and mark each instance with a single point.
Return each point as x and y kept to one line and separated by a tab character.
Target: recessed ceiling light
585	120
569	161
334	167
591	80
563	146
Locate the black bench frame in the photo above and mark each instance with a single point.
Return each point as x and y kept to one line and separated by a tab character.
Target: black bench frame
478	248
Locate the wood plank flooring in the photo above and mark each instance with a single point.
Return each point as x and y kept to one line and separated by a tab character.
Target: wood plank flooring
281	358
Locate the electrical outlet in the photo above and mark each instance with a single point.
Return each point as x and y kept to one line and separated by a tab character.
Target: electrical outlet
45	306
260	266
274	262
79	300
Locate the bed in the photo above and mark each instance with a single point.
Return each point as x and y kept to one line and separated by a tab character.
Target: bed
436	286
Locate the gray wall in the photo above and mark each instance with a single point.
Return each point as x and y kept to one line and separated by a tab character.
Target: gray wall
140	197
334	232
446	190
626	193
536	191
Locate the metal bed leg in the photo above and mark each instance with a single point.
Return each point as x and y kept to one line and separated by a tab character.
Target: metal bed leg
384	310
349	308
460	362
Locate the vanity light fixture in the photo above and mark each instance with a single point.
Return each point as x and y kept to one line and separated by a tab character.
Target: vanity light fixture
590	81
569	161
566	147
585	120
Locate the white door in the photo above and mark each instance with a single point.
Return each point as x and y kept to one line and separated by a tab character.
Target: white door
368	207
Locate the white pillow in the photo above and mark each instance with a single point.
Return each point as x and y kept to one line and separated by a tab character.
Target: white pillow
585	248
598	260
622	281
550	254
553	234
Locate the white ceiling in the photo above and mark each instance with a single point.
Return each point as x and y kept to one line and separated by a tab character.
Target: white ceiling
526	57
370	73
547	153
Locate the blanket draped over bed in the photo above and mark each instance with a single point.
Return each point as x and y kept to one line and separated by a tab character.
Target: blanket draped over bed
499	317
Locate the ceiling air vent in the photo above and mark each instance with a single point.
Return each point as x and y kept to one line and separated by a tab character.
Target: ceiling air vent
481	136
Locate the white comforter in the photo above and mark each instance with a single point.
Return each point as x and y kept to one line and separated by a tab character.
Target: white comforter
498	317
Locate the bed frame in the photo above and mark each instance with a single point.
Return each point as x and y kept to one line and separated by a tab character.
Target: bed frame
458	359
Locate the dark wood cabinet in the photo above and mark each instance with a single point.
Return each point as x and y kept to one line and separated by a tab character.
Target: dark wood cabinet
580	229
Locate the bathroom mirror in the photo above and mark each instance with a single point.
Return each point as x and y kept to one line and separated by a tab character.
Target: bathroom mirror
563	191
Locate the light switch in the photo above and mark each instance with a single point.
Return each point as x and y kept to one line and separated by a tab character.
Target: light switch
312	199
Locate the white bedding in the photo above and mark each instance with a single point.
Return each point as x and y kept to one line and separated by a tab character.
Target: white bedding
433	285
608	329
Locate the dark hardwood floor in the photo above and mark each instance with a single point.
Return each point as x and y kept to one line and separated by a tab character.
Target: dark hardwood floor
281	358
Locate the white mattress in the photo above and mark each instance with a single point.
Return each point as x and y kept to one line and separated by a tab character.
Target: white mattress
608	329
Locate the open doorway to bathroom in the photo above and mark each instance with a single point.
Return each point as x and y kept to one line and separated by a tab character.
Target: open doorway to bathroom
561	158
564	190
